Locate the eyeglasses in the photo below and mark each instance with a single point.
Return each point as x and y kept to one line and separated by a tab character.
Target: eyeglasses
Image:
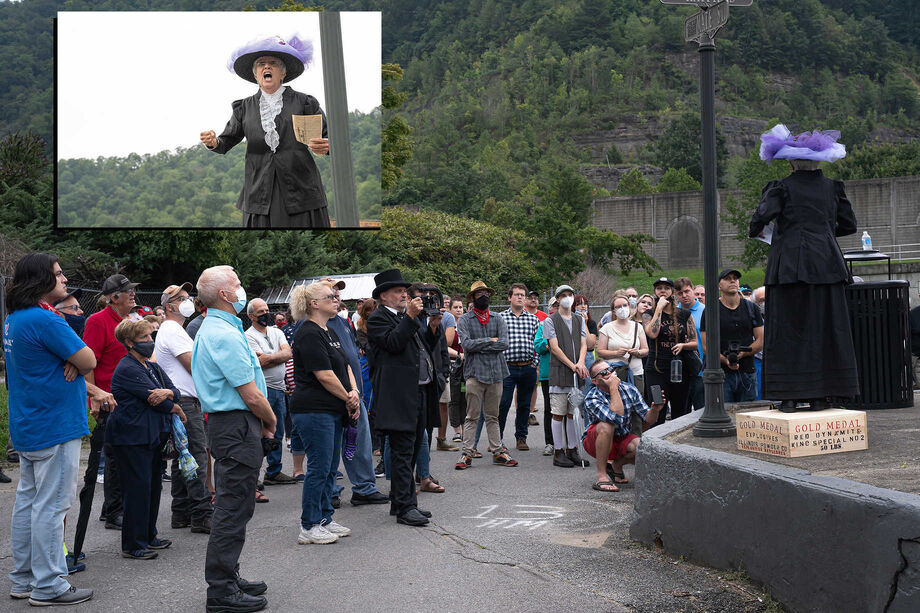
329	297
73	307
603	373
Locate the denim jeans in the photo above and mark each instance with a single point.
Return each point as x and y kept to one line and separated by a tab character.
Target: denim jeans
47	487
739	387
524	379
360	468
422	465
276	400
322	437
758	369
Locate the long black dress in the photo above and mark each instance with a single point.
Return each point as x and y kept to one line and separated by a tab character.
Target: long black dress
808	344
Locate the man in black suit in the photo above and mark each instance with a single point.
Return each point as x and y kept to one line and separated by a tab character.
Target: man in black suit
406	379
282	187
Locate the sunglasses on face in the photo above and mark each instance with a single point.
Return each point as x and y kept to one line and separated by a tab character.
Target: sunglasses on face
603	373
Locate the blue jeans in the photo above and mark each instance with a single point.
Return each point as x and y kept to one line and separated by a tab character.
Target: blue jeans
47	486
422	465
322	435
739	387
758	369
360	468
524	379
276	400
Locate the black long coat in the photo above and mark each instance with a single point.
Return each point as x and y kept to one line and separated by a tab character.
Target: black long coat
810	210
394	360
292	161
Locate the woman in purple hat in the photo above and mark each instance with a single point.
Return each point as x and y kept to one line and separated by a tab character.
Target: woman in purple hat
808	345
282	187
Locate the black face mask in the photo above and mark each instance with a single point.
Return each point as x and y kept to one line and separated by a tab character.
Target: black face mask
145	348
264	320
76	322
481	303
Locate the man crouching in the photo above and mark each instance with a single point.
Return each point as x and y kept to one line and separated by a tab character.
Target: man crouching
608	434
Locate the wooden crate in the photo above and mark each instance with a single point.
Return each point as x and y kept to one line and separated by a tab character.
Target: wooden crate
803	433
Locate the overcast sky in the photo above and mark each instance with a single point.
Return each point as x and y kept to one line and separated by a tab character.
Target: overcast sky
144	82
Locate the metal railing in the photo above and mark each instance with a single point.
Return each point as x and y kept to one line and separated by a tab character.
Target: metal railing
907	251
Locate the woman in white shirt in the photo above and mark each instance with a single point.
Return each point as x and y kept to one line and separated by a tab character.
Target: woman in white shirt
623	340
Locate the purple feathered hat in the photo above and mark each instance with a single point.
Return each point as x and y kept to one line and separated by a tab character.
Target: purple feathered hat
294	52
779	144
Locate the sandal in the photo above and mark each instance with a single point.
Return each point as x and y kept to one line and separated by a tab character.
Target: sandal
503	459
432	487
476	453
605	486
615	476
260	497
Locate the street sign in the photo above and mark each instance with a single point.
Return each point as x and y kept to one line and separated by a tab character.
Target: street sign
706	23
706	3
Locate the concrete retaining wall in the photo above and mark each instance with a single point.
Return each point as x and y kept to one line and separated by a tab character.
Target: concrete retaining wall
816	543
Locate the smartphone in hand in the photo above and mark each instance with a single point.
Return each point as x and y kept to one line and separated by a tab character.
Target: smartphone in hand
657	398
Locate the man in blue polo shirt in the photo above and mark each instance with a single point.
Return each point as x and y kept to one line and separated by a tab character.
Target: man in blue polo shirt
46	362
232	391
686	298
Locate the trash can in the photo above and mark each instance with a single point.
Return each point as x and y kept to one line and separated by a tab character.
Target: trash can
881	338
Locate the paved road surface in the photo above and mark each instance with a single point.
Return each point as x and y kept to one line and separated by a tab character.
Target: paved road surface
530	538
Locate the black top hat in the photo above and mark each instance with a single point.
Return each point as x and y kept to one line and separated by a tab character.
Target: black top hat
388	279
117	283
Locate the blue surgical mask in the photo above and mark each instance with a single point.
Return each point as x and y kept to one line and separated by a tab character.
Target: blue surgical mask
240	300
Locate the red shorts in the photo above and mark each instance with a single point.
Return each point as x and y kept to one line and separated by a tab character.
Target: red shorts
617	450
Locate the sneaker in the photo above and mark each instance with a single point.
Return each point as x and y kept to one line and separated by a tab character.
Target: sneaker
336	502
317	534
100	478
503	458
279	479
532	420
5	478
380	471
165	476
139	554
74	595
337	529
548	450
457	438
158	543
464	462
20	595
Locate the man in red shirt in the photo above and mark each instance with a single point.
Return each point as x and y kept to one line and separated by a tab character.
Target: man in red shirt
99	335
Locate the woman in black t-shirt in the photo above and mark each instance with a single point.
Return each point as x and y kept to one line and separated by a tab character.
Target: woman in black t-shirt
671	336
324	398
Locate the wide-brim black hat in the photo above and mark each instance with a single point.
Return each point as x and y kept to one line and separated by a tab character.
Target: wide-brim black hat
388	279
295	53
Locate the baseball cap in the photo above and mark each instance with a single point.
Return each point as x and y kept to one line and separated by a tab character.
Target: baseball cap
170	292
744	288
76	293
144	310
117	283
663	281
563	288
728	271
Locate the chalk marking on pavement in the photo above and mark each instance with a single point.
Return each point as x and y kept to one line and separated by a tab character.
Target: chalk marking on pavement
535	516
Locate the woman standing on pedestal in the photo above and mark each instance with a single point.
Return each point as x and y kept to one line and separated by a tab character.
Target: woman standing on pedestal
808	349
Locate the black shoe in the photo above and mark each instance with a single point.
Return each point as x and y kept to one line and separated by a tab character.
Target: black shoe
113	524
375	498
573	455
336	502
165	476
819	404
12	456
253	588
158	543
379	470
787	406
239	602
202	526
4	478
139	554
179	521
421	512
412	517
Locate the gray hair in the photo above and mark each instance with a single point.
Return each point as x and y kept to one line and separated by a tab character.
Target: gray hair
283	65
805	164
211	281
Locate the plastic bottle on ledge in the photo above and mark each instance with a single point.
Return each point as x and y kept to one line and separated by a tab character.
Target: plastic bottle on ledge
866	241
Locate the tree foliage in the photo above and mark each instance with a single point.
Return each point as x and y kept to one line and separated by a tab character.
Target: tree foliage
677	180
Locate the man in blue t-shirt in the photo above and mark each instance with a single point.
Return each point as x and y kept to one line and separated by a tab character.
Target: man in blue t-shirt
46	362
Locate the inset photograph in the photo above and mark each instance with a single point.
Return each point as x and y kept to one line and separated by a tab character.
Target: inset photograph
218	120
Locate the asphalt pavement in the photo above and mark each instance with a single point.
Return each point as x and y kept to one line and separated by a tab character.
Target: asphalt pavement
528	538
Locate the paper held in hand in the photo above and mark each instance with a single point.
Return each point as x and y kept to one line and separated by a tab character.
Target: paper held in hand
767	234
307	127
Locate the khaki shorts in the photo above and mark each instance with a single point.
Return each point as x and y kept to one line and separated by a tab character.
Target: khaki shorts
559	404
445	397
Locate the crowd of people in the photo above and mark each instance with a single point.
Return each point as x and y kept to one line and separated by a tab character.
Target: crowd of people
409	372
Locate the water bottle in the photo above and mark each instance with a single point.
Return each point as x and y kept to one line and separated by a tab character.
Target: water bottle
677	370
351	439
866	241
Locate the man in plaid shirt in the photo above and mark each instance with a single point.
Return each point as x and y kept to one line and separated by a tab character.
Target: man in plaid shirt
609	406
523	363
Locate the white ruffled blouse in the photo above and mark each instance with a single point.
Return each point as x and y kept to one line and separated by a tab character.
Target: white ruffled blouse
269	107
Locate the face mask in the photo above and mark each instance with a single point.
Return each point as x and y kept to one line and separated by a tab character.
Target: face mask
481	303
281	323
343	314
144	348
633	302
186	308
240	300
264	320
76	322
622	312
134	317
567	302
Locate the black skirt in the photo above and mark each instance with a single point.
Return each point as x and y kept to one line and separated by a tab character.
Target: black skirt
808	343
278	217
